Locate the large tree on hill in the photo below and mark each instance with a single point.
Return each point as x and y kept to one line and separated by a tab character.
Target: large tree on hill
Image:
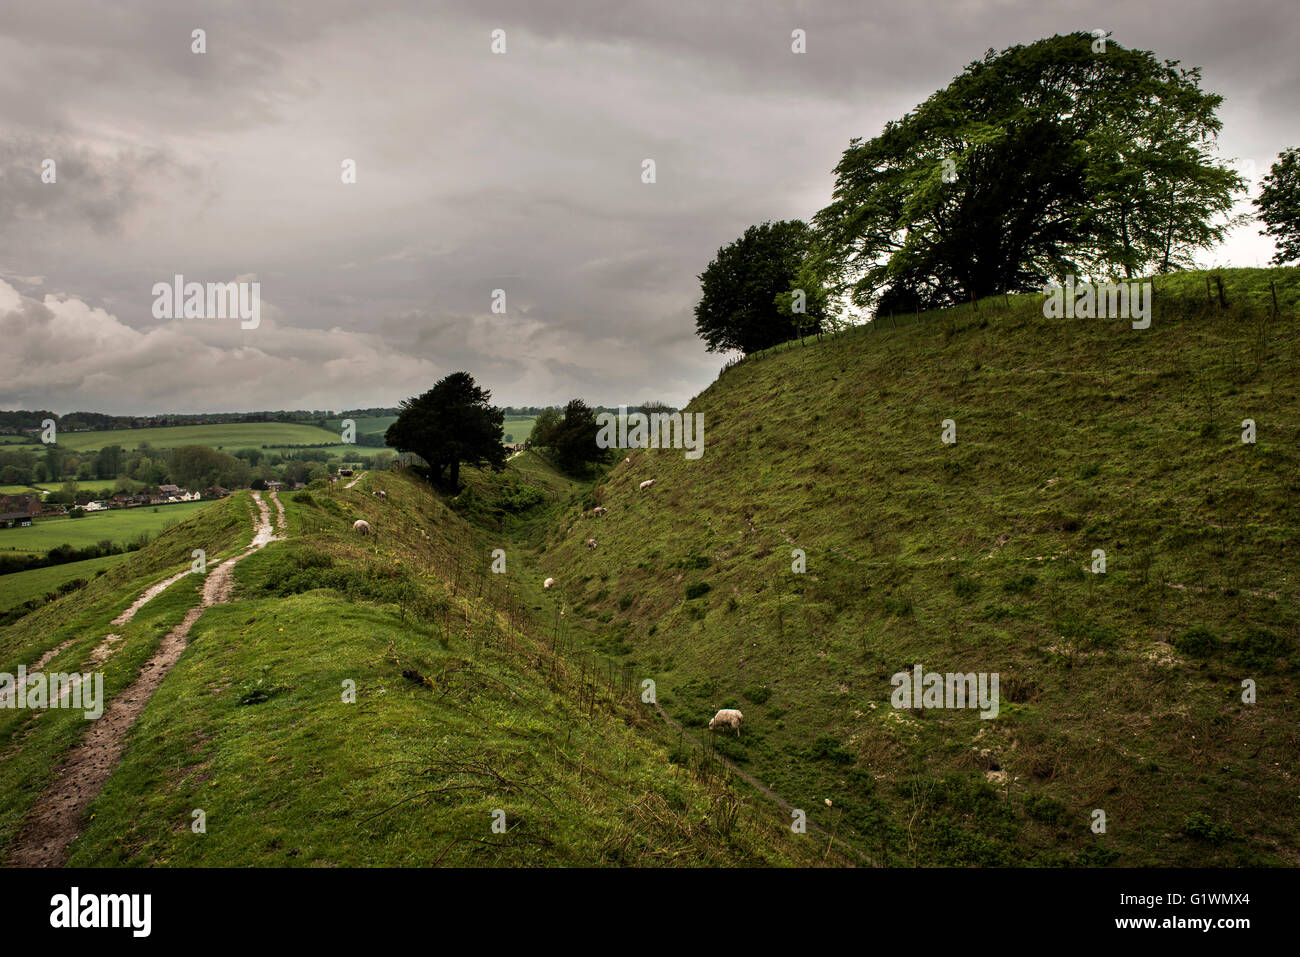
1279	206
451	423
571	437
1061	156
745	292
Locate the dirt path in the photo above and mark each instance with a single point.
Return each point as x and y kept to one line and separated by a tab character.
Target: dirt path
55	820
355	480
761	788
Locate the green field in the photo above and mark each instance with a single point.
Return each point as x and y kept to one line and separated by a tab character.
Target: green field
365	423
21	586
18	489
519	426
228	437
120	526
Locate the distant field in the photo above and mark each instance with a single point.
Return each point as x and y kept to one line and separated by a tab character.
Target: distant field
228	437
366	423
21	586
94	486
14	440
118	525
16	489
519	426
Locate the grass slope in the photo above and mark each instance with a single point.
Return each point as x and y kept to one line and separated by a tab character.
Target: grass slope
462	709
1121	692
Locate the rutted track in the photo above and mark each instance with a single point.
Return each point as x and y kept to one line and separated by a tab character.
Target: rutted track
56	819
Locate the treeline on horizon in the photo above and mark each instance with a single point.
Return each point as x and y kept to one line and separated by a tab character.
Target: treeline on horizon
17	419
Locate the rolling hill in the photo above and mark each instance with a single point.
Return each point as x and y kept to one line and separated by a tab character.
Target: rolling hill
1121	691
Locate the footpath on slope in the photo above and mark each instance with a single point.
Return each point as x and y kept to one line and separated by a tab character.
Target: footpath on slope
56	818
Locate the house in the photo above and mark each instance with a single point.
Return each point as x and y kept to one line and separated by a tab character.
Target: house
168	490
95	507
215	491
273	486
15	520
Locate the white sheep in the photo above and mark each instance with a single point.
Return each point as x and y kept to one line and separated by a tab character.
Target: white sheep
549	583
361	527
381	494
599	510
646	484
591	543
727	717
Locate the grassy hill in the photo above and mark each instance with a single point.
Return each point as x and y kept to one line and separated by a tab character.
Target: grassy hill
1120	691
466	703
478	692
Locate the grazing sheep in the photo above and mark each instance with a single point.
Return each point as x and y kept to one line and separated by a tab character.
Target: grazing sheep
591	543
381	494
361	527
727	717
599	510
549	583
627	461
646	484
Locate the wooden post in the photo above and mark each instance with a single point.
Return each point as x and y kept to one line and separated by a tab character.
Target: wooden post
1209	300
1218	281
1273	286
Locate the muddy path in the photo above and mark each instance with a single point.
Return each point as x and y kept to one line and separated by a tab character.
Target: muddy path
57	817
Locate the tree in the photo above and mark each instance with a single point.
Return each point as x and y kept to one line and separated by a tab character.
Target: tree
572	437
451	423
1035	162
739	305
544	426
108	463
1279	206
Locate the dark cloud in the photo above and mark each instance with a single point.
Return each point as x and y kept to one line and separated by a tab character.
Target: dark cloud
476	172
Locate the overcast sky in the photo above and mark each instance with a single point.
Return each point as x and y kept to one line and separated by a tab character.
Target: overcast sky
475	172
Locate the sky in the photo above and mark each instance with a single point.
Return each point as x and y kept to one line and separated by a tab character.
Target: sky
475	171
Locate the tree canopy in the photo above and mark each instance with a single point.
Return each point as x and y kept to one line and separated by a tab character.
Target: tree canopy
451	424
1063	156
571	437
748	300
1278	204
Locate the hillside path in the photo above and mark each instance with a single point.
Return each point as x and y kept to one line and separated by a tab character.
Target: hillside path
355	480
56	819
